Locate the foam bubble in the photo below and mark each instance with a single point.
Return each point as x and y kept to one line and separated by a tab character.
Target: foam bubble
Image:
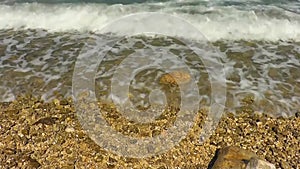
215	22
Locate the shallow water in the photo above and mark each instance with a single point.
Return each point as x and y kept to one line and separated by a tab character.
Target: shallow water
42	63
258	43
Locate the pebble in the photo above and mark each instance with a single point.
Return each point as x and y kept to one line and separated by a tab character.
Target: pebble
69	129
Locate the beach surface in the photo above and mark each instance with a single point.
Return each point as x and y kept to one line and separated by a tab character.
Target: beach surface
48	135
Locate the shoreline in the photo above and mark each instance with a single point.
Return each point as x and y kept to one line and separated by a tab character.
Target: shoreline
44	65
36	134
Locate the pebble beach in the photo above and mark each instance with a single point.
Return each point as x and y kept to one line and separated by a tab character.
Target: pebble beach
35	134
233	64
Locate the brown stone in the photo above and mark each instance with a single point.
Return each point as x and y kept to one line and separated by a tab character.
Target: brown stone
176	77
255	163
233	157
46	120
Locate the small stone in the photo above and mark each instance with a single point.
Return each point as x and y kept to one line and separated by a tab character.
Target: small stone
33	163
56	102
64	102
46	120
69	129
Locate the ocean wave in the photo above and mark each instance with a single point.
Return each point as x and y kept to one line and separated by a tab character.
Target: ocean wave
215	22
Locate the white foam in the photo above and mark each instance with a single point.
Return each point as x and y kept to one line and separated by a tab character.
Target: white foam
214	22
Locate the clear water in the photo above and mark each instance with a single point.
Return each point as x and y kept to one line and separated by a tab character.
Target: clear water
259	42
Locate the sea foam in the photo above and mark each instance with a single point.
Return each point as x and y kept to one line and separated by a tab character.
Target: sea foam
215	22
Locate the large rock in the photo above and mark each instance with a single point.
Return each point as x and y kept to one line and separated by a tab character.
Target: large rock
236	158
259	164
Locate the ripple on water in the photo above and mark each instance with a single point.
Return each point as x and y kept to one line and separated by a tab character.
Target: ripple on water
42	63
